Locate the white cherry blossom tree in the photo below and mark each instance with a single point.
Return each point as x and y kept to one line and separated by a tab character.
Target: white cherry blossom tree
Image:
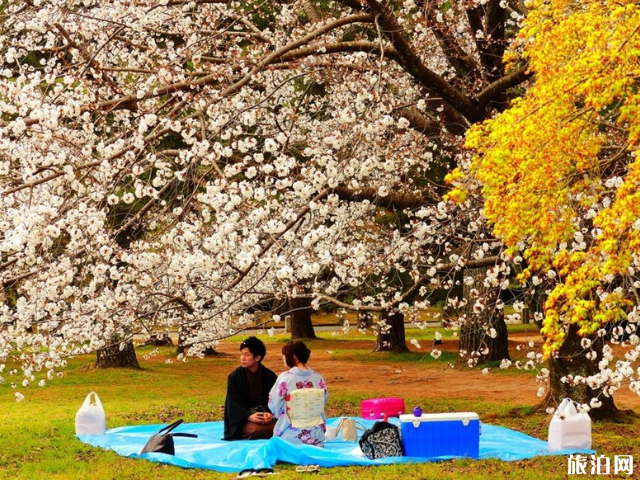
174	164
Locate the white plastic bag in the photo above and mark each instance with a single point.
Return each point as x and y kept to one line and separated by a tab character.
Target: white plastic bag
569	429
91	419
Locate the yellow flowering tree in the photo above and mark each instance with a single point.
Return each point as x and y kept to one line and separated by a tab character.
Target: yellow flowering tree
560	174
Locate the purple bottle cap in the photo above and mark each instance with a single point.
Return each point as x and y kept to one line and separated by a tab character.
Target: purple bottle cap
417	412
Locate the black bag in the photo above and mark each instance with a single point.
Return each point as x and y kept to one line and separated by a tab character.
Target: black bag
381	440
162	442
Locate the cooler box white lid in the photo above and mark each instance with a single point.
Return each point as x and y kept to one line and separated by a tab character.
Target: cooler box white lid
440	417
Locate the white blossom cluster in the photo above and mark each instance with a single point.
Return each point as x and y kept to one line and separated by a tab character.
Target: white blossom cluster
174	165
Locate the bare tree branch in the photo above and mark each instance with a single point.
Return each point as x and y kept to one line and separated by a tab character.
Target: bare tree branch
503	84
412	63
312	12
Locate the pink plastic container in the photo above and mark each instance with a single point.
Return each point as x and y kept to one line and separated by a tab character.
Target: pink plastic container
380	408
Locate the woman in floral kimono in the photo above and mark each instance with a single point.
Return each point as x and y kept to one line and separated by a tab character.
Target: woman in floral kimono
299	376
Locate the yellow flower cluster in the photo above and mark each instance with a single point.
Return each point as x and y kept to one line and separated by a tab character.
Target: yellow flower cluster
544	162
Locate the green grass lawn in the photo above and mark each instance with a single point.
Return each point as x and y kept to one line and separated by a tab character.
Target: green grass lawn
38	442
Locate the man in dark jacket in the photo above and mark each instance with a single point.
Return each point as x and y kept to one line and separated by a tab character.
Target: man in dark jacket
246	411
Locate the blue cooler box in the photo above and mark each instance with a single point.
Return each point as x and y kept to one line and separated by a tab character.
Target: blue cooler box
441	434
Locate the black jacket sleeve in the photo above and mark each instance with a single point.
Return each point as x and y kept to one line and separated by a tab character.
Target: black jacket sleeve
237	406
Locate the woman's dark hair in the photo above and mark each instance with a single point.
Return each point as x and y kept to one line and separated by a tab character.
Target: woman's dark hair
299	349
255	346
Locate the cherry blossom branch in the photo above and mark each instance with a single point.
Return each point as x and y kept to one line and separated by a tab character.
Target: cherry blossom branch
461	61
48	178
8	263
172	3
445	268
393	201
340	47
130	100
490	51
312	12
146	206
274	238
413	65
495	31
413	290
90	60
429	127
363	18
354	4
173	298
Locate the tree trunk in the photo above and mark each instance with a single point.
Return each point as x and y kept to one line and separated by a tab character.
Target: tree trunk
390	333
535	304
476	337
571	362
301	325
476	341
113	356
183	346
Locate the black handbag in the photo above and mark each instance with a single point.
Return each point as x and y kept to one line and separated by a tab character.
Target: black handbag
162	442
382	440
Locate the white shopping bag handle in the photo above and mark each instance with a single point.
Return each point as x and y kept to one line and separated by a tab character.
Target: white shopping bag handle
87	401
567	408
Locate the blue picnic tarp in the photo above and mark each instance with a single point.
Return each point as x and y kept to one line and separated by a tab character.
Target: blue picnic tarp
209	451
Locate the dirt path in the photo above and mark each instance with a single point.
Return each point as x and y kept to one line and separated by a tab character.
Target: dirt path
419	380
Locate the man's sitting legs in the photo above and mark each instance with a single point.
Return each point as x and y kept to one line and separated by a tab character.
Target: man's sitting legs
257	431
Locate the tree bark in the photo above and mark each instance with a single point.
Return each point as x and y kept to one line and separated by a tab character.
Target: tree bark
390	333
475	339
570	363
312	12
301	325
113	356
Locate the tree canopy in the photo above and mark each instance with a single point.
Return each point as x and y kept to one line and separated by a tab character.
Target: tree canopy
180	163
559	168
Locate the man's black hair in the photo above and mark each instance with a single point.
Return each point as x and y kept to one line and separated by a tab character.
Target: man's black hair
255	346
